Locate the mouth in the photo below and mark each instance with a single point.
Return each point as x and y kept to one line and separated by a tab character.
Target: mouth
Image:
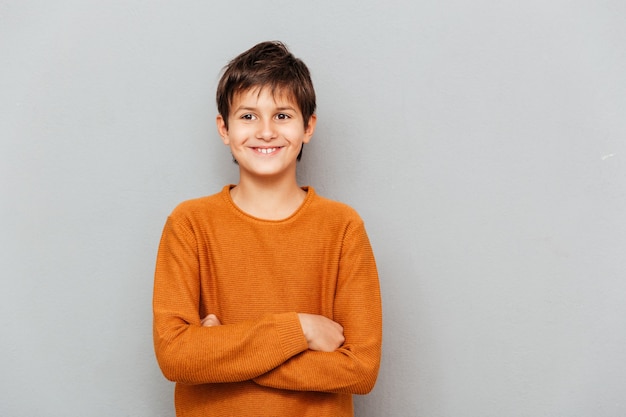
267	151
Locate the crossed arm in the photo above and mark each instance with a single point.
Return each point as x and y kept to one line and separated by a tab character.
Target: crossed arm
347	370
321	333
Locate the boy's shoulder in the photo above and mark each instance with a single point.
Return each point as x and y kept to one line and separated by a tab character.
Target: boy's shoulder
199	205
219	206
333	208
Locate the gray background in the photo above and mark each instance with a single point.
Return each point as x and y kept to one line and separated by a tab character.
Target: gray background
483	143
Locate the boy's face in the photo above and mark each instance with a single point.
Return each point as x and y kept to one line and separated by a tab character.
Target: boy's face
265	132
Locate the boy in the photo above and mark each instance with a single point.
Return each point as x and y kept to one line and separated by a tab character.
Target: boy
266	296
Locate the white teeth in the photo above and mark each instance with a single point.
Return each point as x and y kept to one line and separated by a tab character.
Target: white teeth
266	150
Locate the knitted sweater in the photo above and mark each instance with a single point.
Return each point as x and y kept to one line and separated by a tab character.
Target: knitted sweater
255	275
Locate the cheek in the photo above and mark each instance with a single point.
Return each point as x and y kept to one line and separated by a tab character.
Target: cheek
235	135
295	133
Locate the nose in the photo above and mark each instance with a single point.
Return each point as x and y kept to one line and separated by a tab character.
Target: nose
266	130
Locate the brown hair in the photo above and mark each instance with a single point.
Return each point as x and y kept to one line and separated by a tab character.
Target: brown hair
267	65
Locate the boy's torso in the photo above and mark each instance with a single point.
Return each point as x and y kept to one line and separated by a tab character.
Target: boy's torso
250	267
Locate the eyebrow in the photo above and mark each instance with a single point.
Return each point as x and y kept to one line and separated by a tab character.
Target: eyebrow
247	108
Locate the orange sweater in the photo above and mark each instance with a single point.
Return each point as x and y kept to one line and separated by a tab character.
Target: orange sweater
256	275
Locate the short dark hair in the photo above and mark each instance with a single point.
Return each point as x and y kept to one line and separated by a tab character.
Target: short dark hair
267	65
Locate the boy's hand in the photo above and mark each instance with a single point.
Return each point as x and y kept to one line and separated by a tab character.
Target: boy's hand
321	333
210	321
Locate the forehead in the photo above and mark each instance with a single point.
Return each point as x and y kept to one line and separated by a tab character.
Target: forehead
280	96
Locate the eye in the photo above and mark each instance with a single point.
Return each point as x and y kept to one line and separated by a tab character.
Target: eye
247	116
283	116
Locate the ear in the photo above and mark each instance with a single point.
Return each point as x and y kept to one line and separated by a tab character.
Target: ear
222	129
310	129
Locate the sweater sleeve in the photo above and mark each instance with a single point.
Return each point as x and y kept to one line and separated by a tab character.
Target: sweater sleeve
189	353
353	368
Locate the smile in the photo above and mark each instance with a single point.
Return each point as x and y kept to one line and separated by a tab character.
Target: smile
266	151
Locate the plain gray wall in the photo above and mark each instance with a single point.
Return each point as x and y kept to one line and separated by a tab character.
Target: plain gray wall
483	143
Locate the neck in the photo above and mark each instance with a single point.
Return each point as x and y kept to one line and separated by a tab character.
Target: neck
267	198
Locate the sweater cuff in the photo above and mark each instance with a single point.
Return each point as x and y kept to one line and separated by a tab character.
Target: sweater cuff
290	334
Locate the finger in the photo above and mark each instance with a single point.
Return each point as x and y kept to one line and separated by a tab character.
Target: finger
208	320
